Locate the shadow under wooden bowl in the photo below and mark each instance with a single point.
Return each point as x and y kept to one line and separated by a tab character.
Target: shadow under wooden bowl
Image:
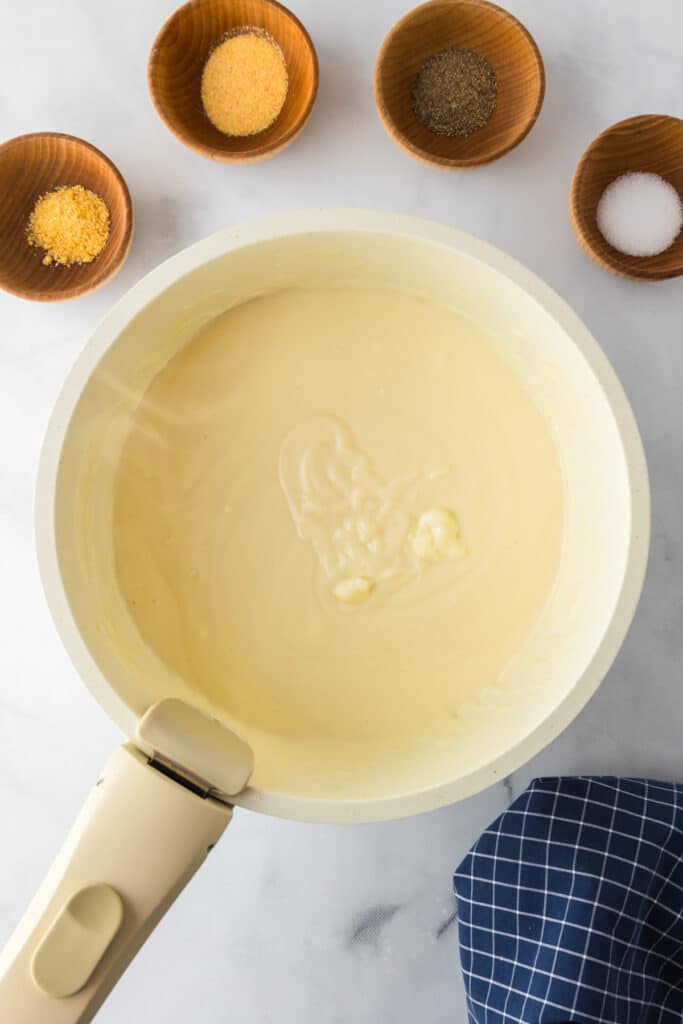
469	24
31	165
178	57
651	143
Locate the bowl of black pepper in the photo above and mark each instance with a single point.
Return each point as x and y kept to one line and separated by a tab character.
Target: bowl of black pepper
459	83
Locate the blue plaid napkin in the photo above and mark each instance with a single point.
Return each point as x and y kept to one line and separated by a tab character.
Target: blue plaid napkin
570	906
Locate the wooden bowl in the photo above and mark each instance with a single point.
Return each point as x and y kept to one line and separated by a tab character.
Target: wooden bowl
650	142
31	165
474	25
176	63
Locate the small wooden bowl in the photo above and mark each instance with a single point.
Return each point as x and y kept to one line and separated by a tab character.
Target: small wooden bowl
650	142
473	25
31	165
176	63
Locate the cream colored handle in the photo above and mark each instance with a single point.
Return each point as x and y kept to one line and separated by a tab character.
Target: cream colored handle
136	843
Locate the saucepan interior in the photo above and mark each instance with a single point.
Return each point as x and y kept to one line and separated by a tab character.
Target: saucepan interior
606	500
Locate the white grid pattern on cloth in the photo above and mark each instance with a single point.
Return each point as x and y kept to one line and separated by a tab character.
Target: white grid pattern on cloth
652	952
513	1019
622	835
549	974
580	874
615	857
544	915
629	887
494	934
567	905
584	955
628	946
573	919
552	946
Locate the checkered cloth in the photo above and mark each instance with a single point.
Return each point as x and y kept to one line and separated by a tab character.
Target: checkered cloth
570	906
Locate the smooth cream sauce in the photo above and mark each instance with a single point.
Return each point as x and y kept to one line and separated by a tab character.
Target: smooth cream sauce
338	514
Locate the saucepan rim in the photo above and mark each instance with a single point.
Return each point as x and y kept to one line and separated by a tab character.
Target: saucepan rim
311	222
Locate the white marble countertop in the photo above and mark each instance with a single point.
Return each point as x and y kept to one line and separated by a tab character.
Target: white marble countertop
293	923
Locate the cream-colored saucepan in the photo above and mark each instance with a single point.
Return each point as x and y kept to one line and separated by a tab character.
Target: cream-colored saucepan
165	798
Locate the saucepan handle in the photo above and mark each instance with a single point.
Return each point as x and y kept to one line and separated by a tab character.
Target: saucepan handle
138	840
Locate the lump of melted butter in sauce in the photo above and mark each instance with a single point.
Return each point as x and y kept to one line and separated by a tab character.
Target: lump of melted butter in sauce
437	535
359	524
337	516
353	589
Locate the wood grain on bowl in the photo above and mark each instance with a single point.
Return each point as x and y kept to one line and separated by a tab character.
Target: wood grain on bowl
178	57
470	24
652	143
31	165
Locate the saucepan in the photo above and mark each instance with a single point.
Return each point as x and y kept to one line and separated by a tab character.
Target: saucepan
166	796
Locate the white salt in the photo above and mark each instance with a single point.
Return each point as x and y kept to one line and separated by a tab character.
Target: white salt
640	214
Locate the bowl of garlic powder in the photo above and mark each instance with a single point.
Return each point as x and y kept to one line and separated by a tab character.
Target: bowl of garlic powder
231	90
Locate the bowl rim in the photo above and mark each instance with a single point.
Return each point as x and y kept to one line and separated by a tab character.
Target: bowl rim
423	155
76	290
610	259
211	152
310	223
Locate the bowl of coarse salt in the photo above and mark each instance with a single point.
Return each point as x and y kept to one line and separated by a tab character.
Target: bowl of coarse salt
627	198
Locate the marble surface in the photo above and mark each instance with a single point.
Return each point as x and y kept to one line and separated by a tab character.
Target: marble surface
286	922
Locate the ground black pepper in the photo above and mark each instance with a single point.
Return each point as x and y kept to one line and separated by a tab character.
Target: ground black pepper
454	92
